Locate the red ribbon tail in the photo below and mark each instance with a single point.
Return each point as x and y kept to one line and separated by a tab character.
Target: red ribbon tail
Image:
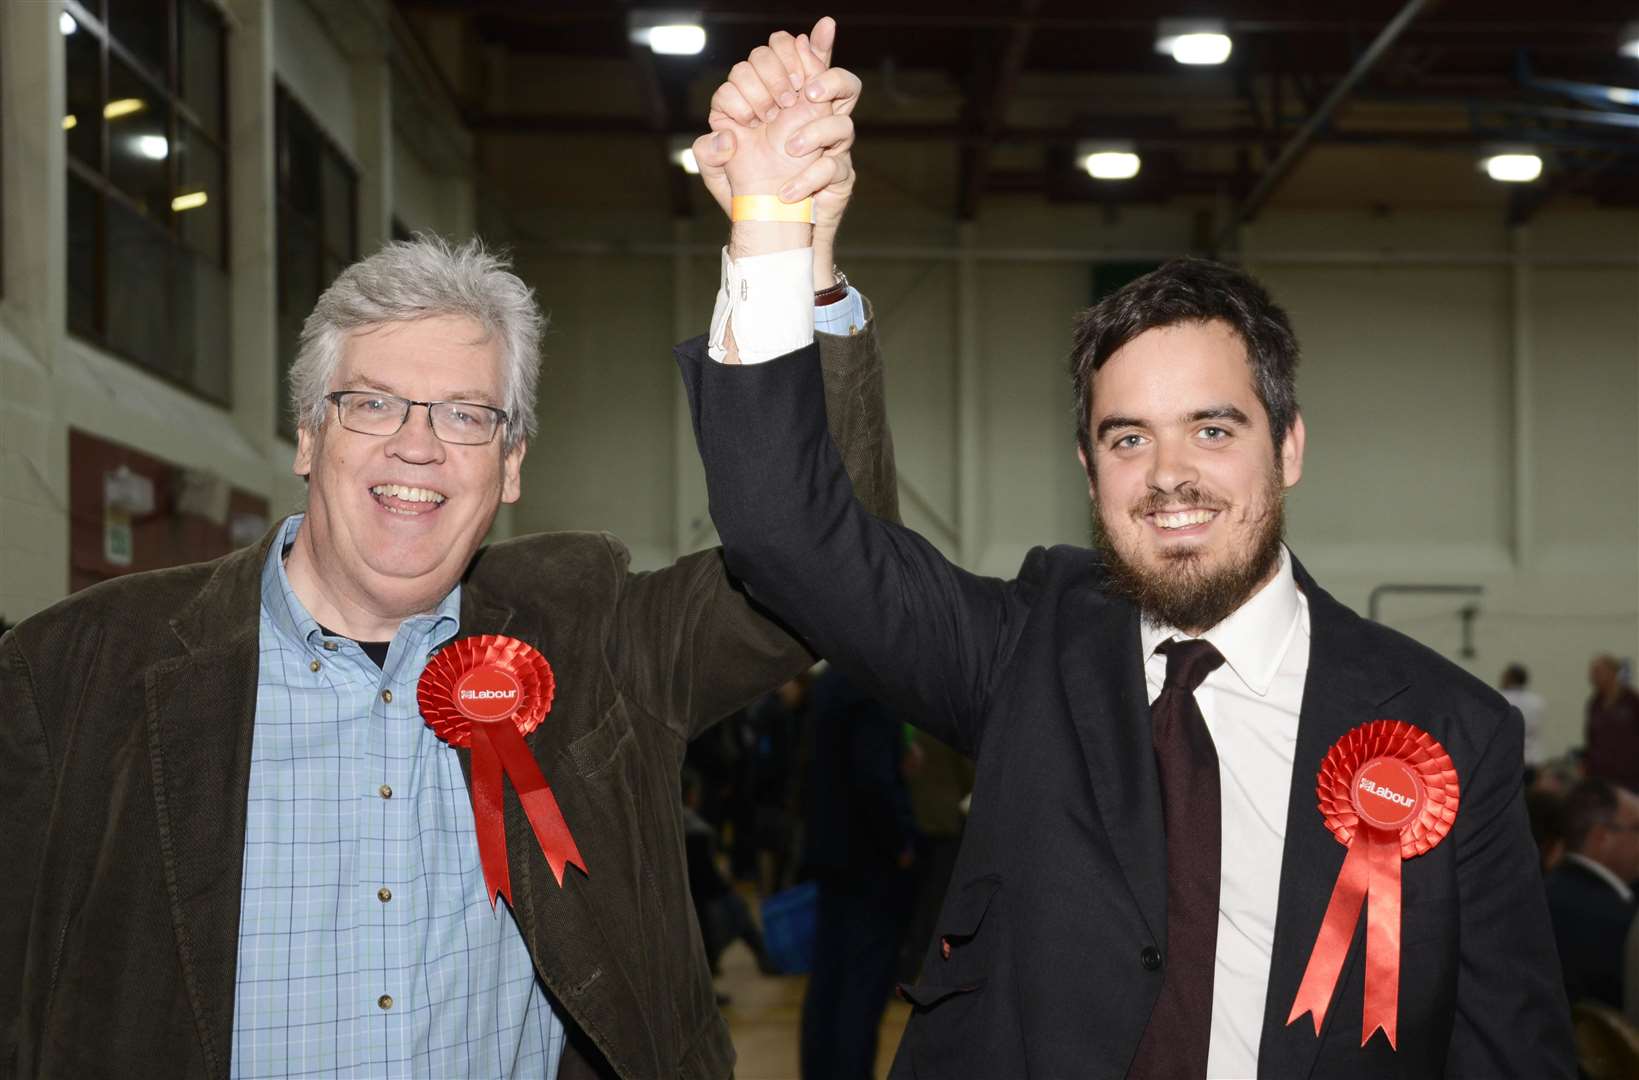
488	816
1382	1005
1332	943
540	805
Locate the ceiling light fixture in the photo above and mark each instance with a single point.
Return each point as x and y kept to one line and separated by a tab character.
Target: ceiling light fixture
1513	168
153	147
70	122
1109	160
66	23
191	201
667	33
1194	41
1630	41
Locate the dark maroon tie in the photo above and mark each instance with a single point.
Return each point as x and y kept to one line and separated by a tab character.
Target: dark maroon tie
1174	1046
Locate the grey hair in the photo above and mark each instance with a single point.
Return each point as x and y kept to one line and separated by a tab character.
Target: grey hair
417	279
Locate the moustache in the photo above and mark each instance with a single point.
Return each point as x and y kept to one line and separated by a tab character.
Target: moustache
1185	498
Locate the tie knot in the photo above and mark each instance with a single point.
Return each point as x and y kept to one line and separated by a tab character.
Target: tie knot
1189	662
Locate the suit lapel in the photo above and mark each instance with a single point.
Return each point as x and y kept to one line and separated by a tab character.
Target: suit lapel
1104	682
1345	686
567	910
201	710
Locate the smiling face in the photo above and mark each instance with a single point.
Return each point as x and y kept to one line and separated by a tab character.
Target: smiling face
392	521
1185	477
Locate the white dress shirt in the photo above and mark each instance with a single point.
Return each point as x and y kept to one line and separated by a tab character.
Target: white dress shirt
1251	706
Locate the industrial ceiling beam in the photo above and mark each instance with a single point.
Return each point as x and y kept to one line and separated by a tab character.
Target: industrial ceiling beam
988	111
1300	141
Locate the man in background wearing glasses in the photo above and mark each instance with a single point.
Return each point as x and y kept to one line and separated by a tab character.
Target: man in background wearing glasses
234	848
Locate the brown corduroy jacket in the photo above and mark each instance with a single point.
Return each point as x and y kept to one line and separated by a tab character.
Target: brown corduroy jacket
126	714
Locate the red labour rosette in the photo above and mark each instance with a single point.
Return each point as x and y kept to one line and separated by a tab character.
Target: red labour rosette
1388	792
487	693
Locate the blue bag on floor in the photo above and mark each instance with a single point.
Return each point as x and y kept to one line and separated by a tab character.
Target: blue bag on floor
788	927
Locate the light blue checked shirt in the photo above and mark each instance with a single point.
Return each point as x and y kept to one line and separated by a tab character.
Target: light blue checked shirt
367	947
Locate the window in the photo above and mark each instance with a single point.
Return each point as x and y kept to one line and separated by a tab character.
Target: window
147	185
317	225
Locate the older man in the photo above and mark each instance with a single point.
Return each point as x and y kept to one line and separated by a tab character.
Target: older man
235	848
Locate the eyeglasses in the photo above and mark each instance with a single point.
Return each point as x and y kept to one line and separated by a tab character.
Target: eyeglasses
463	423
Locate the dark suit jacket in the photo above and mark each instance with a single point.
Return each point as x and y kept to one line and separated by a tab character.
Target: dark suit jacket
1591	924
1060	888
126	714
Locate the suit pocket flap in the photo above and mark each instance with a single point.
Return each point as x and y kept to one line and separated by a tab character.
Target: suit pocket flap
927	995
966	909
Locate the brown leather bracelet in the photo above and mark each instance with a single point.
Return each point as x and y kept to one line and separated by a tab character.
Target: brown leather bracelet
836	293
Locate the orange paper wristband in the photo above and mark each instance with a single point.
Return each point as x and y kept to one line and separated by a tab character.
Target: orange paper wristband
770	208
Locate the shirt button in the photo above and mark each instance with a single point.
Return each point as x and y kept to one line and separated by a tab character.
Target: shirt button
331	646
385	1001
314	666
387	696
386	791
1150	957
384	894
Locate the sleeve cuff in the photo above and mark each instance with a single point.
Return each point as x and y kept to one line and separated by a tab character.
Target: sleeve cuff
770	301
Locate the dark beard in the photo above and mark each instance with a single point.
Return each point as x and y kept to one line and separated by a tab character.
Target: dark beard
1185	595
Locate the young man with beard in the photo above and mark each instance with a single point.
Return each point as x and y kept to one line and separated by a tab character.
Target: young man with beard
1146	873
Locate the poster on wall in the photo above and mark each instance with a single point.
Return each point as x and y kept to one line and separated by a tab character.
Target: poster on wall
125	494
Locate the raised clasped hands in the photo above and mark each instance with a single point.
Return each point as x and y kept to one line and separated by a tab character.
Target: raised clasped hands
781	126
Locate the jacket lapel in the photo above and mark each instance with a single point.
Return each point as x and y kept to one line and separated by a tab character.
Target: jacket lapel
1346	686
566	909
1104	682
201	709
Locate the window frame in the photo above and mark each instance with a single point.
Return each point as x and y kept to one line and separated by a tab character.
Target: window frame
286	215
166	86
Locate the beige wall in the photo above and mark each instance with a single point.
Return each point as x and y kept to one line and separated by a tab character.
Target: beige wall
1469	393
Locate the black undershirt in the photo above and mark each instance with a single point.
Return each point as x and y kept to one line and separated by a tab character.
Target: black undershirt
375	650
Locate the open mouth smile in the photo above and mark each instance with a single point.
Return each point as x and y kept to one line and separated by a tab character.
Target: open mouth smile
407	501
1181	522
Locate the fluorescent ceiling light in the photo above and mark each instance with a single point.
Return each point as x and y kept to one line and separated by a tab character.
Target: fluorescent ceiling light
667	33
1513	168
153	147
679	40
685	158
1622	95
66	23
191	201
70	122
1630	40
1201	48
1111	164
1194	41
123	107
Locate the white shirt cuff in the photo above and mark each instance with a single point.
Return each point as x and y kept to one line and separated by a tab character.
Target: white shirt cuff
770	299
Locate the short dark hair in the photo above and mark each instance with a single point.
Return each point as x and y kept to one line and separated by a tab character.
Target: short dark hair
1592	802
1515	675
1191	290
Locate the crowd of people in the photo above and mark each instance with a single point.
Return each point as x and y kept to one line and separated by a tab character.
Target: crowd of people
1584	809
817	781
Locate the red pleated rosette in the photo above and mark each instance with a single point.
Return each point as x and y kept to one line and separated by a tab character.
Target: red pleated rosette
486	693
1388	792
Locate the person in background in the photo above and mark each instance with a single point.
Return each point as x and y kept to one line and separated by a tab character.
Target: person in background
1590	892
1546	809
1613	725
723	913
861	840
1515	688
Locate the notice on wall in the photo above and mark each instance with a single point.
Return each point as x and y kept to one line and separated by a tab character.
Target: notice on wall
124	494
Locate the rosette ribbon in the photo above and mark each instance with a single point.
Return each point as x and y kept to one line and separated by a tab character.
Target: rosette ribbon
487	693
1388	792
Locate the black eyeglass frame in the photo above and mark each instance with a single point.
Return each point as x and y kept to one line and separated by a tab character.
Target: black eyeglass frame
335	397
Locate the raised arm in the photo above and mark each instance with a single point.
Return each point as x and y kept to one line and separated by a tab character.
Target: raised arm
688	645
